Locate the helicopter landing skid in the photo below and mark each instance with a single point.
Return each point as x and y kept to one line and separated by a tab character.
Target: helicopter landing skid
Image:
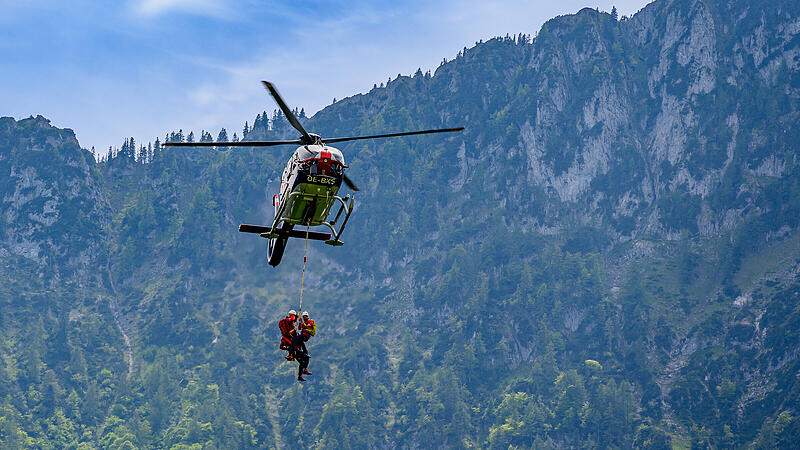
331	238
343	208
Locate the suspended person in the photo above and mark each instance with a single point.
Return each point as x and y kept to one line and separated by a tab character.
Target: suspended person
307	329
288	332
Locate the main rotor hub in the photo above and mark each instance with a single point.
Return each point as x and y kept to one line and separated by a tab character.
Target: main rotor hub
315	139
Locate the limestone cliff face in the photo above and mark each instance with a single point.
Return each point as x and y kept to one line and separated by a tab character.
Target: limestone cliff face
52	208
669	105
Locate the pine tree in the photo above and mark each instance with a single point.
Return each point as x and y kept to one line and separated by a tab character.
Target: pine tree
90	405
128	149
175	137
222	137
245	130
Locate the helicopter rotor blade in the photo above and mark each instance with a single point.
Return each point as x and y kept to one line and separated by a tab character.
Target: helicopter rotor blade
231	144
375	136
307	139
349	183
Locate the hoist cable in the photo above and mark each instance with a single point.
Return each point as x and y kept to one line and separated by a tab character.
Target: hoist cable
303	277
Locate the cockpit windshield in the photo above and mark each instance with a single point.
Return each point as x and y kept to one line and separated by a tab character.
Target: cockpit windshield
323	167
321	161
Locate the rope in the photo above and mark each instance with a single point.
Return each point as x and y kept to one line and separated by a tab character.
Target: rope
303	278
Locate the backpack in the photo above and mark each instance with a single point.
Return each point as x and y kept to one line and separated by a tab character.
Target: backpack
310	327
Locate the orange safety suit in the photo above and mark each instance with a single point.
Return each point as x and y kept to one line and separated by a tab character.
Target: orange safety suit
288	332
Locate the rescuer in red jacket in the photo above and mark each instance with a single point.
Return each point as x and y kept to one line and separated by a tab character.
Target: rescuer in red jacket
288	332
308	327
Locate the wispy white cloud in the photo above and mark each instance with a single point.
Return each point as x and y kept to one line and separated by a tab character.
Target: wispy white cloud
213	8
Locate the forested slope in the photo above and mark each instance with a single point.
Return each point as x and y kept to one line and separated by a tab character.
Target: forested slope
607	256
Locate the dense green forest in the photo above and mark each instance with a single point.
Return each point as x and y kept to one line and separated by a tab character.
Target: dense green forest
608	256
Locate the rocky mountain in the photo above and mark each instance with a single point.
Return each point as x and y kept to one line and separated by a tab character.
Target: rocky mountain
607	256
54	211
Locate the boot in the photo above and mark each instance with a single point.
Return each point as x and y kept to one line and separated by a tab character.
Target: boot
300	378
306	372
289	357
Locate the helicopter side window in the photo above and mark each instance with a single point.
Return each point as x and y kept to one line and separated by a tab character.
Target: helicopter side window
313	168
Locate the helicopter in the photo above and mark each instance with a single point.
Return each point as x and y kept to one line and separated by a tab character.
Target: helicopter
309	184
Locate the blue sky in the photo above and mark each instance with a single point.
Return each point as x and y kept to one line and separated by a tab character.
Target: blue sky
111	70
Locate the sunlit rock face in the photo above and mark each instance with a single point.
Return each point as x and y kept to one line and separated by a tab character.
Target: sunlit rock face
52	207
